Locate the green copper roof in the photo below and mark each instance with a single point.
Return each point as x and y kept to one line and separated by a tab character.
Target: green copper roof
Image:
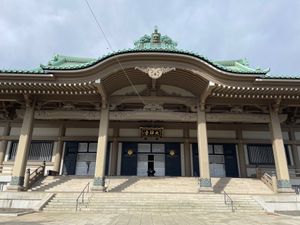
71	63
154	43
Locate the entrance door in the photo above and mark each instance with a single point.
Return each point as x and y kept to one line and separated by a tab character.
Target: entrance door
230	160
86	158
172	158
222	158
129	159
151	157
80	158
70	158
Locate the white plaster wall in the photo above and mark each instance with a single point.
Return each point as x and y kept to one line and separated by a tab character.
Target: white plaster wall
15	131
221	134
124	132
50	131
265	135
215	133
81	132
173	133
256	134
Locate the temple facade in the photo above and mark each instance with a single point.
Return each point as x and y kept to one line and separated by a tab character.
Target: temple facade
152	110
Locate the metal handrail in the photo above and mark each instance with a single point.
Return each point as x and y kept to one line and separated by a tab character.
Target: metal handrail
228	200
87	186
32	177
36	172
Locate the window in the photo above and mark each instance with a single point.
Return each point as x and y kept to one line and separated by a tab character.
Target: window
87	147
216	154
38	151
82	147
215	149
144	148
262	154
93	147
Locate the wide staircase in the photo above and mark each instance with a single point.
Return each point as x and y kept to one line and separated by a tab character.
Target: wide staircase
151	202
151	194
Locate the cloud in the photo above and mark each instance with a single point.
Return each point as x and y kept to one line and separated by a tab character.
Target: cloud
265	32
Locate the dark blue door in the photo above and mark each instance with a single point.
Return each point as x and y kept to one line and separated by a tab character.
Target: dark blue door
129	159
70	158
172	159
231	167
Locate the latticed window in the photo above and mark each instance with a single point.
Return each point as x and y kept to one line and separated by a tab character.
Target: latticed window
262	154
38	151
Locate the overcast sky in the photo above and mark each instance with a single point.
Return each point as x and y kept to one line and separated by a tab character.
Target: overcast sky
267	33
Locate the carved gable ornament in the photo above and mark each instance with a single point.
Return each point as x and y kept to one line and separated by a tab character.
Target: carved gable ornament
155	72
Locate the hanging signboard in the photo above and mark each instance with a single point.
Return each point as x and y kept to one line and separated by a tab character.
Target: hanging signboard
151	131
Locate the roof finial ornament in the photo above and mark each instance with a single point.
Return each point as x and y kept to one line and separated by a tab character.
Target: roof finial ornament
155	41
155	37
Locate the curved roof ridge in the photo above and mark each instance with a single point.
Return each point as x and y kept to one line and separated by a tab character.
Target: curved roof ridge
217	64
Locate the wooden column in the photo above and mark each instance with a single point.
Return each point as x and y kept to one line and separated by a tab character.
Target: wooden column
3	144
205	180
59	149
282	172
99	179
18	173
242	160
114	153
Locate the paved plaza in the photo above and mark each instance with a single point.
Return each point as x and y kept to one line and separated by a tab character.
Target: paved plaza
148	219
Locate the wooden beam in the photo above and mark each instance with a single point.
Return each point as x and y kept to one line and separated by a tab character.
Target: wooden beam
152	116
188	101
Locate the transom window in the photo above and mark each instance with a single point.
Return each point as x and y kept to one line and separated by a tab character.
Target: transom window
262	154
38	151
87	147
216	153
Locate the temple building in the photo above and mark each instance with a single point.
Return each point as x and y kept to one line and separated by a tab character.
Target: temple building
153	110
